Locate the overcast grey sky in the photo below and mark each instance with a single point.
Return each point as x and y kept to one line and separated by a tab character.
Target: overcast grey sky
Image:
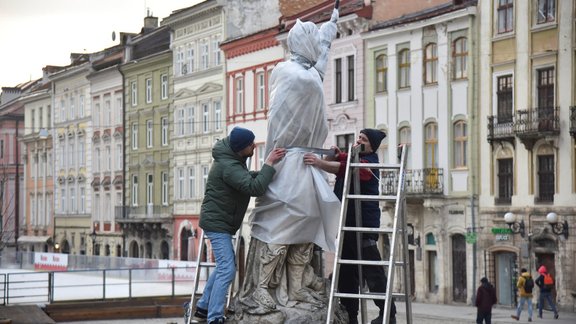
36	33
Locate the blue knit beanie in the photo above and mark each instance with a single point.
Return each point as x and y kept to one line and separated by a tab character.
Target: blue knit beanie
240	138
375	137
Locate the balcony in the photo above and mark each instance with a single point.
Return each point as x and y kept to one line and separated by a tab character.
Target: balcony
428	181
573	121
534	124
130	214
501	128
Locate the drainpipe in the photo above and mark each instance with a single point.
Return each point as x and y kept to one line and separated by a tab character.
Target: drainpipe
17	189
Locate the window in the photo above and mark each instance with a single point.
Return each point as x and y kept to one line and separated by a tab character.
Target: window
149	189
343	141
148	90
504	95
82	202
97	114
505	177
338	79
118	110
205	118
72	200
180	122
406	140
216	51
181	183
204	54
191	183
260	91
63	200
134	136
180	66
164	135
190	58
134	93
164	188
81	153
404	68
546	87
351	78
71	112
1	149
164	86
119	157
460	143
97	159
459	56
134	190
49	114
107	112
239	95
62	110
205	171
545	178
217	116
431	63
81	106
431	143
546	11
149	134
260	151
33	120
505	16
40	118
108	159
191	119
381	73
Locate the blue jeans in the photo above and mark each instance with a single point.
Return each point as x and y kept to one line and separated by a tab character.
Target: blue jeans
548	296
521	306
214	296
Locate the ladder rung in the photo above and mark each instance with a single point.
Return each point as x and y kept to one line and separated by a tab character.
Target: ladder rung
383	230
369	262
372	197
207	264
368	296
375	166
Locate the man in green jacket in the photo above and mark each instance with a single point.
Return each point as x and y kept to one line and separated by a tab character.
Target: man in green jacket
228	190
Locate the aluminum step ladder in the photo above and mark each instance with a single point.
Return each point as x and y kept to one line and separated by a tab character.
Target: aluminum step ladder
191	306
398	237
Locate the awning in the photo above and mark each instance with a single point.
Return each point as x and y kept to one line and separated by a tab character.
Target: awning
33	239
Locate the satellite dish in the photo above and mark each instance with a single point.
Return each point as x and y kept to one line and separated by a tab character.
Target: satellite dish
113	36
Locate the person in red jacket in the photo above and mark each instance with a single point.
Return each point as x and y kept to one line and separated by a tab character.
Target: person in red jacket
485	299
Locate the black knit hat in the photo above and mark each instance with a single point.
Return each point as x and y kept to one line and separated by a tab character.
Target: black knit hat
240	138
375	137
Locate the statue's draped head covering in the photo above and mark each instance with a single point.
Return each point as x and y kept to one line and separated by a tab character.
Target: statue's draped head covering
304	43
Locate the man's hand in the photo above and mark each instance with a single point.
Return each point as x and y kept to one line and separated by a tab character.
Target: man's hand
328	166
275	156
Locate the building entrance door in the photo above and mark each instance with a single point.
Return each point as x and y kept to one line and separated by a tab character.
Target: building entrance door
505	265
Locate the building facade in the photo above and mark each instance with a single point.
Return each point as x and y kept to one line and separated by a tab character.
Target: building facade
422	68
146	215
528	151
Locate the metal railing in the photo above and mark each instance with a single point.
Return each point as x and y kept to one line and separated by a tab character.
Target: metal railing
418	181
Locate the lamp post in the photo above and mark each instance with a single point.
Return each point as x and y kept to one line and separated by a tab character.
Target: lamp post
93	237
558	228
516	227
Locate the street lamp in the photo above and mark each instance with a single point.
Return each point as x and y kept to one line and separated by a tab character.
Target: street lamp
559	228
516	227
93	237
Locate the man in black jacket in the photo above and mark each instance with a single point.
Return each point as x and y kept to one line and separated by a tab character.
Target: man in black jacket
485	299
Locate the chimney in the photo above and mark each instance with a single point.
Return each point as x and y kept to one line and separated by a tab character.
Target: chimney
150	22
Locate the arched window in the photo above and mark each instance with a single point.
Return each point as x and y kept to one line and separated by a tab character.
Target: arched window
404	69
459	58
431	63
381	73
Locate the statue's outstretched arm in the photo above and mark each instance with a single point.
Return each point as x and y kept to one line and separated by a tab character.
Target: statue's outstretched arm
327	34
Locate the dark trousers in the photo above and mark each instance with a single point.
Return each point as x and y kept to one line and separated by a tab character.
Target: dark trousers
484	316
374	276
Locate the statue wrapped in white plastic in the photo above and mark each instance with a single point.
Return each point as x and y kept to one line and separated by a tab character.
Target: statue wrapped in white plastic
299	208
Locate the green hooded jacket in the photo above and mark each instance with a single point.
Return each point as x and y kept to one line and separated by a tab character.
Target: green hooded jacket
228	189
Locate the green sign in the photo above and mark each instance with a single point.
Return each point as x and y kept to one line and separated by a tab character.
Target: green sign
471	237
497	230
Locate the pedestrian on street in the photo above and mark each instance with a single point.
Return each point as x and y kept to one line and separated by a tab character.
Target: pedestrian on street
546	284
374	276
525	286
228	190
485	299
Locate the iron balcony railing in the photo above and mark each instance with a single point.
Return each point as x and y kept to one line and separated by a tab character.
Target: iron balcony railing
417	181
537	121
140	212
500	127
